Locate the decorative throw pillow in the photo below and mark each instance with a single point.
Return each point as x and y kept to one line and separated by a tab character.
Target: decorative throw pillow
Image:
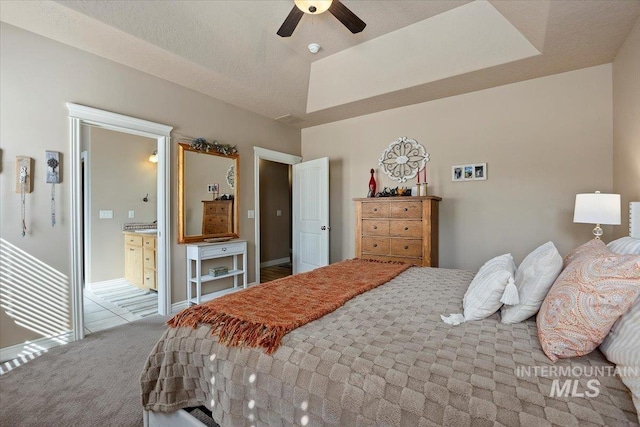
482	298
534	277
622	347
625	245
592	292
593	245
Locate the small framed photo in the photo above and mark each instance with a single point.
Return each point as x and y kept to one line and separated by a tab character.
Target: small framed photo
472	172
213	188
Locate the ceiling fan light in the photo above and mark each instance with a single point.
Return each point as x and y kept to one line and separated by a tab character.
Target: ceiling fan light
313	7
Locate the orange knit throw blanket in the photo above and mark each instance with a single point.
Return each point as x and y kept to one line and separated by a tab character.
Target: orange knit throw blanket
260	316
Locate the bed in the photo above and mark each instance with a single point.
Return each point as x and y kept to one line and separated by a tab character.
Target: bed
384	358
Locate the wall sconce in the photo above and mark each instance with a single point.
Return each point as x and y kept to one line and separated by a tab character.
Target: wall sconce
597	208
153	158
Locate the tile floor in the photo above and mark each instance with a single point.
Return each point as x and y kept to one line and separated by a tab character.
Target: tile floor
100	314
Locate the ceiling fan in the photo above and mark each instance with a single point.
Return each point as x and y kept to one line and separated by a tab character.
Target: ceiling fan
316	7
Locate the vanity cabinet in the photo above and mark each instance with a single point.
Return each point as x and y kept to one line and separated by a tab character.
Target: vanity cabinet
398	229
217	217
140	260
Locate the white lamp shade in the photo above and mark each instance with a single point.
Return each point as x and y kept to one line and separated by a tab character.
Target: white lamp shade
597	208
320	5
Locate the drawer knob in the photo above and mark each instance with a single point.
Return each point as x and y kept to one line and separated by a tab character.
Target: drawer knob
375	227
375	245
406	228
406	209
406	247
375	209
224	249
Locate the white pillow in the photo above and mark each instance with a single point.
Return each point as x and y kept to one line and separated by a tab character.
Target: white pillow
622	347
482	298
534	278
625	246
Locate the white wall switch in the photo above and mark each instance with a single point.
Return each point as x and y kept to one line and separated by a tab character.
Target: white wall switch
106	214
278	212
132	214
251	213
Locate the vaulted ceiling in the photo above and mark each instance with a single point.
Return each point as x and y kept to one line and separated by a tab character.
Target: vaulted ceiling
409	52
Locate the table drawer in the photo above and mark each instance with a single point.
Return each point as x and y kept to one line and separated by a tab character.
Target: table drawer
375	210
406	210
402	228
375	227
406	247
375	245
219	250
149	259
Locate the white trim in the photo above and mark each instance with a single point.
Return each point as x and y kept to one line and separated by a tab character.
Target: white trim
178	306
274	156
35	347
275	262
79	115
86	214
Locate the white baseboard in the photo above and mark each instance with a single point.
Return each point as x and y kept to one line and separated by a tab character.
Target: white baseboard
275	262
178	306
105	282
30	349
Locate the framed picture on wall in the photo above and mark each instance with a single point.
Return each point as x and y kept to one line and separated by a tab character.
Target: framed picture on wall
213	188
471	172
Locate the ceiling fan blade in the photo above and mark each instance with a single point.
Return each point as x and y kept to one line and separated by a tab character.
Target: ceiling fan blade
348	18
289	24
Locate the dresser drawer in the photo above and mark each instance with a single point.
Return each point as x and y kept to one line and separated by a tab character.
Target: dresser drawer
149	259
149	242
406	228
216	208
406	210
375	245
149	278
375	210
406	247
375	227
130	239
219	250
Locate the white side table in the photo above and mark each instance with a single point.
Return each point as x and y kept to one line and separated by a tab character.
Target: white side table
196	253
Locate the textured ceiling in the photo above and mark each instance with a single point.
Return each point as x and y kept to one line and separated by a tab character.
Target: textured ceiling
229	49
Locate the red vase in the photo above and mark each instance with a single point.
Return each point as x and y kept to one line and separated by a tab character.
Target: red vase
372	185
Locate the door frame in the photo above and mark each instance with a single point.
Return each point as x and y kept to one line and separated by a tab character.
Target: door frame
82	115
273	156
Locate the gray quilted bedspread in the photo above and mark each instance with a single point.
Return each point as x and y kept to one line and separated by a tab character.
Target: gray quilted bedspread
385	359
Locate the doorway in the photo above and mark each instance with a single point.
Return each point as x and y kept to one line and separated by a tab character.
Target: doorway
275	220
117	208
80	115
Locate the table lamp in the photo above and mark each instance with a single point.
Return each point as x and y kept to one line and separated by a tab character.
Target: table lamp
597	208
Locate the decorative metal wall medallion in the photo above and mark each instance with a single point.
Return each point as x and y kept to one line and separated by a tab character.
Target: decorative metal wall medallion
231	176
403	159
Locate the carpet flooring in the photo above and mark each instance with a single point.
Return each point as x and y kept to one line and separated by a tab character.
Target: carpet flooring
93	382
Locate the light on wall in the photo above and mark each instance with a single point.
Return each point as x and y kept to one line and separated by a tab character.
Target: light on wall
153	158
597	208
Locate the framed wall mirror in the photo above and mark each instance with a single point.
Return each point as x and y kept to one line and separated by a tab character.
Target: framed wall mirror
208	195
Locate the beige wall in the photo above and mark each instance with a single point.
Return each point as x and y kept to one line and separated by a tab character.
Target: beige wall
275	231
37	77
626	125
121	176
543	140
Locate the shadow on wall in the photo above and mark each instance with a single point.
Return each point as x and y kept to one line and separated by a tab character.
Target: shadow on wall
34	295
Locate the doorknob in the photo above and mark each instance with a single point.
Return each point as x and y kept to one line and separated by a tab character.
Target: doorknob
324	227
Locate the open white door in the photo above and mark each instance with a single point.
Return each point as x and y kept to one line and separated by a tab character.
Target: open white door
310	215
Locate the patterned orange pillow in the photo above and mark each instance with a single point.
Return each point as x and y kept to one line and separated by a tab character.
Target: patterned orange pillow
592	292
590	248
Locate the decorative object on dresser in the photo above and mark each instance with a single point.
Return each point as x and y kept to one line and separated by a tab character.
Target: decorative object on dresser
196	253
392	229
472	172
372	185
597	208
403	159
140	259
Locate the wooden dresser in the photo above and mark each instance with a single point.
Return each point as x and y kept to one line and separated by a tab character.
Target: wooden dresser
140	259
217	216
398	229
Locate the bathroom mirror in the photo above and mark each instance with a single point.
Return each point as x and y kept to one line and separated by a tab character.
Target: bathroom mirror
207	195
